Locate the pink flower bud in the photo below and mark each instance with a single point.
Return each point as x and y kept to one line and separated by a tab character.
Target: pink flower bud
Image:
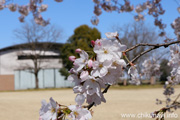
92	43
90	62
72	58
78	50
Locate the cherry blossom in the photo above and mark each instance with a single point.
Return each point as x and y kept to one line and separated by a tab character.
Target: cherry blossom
84	75
80	99
151	67
139	17
176	26
1	7
21	18
90	63
106	50
174	62
79	113
55	111
23	10
48	111
90	75
140	8
74	78
134	75
178	9
95	20
82	61
43	8
100	68
96	99
97	10
12	7
111	35
112	76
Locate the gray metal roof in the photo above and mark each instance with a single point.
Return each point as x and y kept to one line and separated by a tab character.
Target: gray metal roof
40	45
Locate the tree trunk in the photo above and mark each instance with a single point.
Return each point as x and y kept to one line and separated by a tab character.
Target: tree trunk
37	81
124	82
152	80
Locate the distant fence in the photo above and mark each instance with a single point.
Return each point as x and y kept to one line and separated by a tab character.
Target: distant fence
48	78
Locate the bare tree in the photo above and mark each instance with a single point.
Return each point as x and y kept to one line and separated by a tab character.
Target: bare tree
135	33
35	35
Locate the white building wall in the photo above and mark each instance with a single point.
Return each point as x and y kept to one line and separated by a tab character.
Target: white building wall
24	80
9	61
49	76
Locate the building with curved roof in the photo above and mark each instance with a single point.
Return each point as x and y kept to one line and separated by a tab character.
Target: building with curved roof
17	65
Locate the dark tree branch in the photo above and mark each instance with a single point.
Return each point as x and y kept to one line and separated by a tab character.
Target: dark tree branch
153	48
155	45
173	105
167	108
106	89
176	98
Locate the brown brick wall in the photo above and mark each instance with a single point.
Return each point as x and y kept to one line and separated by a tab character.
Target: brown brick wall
6	82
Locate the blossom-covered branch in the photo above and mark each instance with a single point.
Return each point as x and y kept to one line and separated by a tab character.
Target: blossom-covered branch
104	91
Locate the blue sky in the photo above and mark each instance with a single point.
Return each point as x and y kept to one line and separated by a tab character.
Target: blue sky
70	14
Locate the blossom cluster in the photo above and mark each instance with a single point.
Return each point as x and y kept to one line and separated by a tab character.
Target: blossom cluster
34	6
174	79
133	72
175	64
92	73
55	111
151	67
109	6
176	26
153	8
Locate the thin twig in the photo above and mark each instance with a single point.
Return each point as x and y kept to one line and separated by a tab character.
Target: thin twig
167	108
106	89
174	104
118	39
140	44
153	48
155	45
176	98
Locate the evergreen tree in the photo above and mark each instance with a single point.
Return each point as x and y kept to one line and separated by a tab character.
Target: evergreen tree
165	69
